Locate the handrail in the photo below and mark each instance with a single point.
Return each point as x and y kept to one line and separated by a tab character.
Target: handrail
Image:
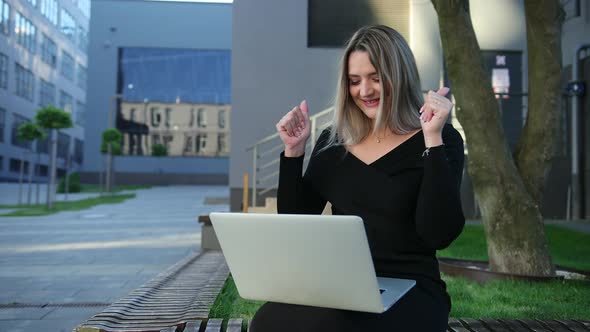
258	153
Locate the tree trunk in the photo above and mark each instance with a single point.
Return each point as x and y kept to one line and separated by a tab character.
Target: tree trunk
109	165
53	170
38	174
30	177
20	179
535	148
512	220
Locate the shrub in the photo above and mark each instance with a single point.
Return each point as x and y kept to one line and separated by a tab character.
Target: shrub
74	184
159	150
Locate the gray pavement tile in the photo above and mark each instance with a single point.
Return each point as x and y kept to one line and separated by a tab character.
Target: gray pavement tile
54	325
24	313
44	296
97	295
80	314
101	253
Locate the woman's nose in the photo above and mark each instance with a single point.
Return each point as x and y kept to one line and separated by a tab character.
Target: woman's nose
366	89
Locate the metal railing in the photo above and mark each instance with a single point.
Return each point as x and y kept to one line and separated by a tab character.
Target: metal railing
265	155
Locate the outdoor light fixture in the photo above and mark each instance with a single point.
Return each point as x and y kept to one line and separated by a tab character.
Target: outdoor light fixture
576	88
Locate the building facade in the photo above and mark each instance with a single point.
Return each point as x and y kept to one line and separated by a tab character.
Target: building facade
43	61
165	83
185	129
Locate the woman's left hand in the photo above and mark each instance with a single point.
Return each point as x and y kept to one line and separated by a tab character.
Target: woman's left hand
433	116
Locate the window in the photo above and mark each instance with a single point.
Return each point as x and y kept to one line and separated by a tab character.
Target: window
67	65
33	3
2	124
4	17
82	39
78	150
63	145
25	32
221	119
80	109
46	93
18	120
48	51
67	25
331	22
201	118
49	10
82	74
200	143
24	82
221	146
66	102
15	166
3	71
41	170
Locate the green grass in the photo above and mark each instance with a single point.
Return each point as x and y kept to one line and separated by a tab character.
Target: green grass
568	248
230	305
41	210
93	188
519	299
497	299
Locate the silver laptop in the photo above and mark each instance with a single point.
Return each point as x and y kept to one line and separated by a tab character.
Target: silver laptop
315	260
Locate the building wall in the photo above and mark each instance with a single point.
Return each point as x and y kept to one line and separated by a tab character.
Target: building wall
130	23
32	61
273	69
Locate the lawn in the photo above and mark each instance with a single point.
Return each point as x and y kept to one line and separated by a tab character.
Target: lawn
94	188
497	299
41	209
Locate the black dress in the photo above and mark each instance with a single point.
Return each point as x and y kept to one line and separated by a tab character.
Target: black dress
410	205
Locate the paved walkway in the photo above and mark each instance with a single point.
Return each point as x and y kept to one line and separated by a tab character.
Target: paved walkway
96	255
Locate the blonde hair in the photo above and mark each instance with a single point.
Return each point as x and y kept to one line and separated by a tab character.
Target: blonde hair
401	91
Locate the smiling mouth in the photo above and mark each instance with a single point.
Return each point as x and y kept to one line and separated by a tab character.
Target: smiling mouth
371	102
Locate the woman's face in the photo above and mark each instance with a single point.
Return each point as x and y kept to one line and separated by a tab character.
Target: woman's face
363	83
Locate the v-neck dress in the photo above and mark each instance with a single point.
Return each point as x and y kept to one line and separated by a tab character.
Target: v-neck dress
410	204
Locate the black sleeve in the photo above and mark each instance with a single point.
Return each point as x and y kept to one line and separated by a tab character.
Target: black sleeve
439	216
297	194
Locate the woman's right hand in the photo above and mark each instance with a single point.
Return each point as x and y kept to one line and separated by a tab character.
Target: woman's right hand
294	129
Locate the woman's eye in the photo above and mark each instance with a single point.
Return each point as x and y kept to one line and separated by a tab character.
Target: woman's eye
376	79
355	82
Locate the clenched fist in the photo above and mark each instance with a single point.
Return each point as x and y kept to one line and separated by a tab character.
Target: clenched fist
294	129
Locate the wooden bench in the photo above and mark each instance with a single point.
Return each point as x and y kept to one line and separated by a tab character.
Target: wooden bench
455	325
182	293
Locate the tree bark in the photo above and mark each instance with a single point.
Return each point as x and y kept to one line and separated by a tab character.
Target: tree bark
512	220
535	149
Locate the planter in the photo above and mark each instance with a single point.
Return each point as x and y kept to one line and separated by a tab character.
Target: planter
479	272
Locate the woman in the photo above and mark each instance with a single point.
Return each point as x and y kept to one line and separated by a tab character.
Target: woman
389	158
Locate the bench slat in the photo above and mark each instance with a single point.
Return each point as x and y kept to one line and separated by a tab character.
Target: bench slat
193	326
234	325
495	325
554	326
515	325
214	325
454	325
474	324
533	325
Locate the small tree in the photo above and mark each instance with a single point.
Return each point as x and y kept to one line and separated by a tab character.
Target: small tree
53	119
28	131
111	145
159	150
